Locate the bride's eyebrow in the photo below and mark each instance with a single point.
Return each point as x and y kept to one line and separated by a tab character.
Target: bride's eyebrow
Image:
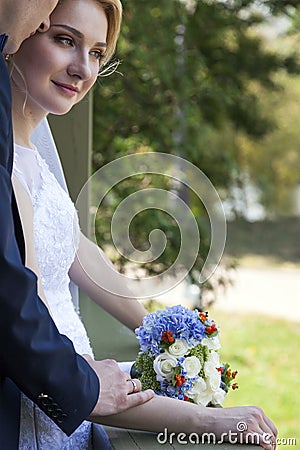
77	33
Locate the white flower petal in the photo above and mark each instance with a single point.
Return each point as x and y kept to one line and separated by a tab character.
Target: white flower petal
178	348
192	366
164	365
200	393
218	397
212	343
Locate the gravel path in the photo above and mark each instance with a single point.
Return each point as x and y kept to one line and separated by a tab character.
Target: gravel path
275	292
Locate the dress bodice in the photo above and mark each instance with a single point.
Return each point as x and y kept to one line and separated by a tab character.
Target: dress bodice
56	229
56	238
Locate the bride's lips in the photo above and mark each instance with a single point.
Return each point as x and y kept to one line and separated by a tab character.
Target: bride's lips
68	89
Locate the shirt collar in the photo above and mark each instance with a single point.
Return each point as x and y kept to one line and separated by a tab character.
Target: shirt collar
3	40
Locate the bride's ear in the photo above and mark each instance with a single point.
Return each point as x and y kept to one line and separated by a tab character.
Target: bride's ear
45	25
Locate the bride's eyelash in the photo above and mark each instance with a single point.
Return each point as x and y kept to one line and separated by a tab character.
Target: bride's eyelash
64	40
68	41
98	54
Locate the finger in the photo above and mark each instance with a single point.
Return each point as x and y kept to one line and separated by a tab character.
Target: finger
131	386
266	427
271	425
139	398
269	429
266	439
136	385
268	442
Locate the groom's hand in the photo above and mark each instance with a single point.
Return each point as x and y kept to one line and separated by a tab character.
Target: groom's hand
117	391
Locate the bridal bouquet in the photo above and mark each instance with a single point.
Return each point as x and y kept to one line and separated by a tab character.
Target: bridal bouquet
179	357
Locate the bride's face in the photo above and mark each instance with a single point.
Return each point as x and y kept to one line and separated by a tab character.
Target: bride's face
59	66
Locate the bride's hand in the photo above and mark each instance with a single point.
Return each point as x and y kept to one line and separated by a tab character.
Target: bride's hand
241	424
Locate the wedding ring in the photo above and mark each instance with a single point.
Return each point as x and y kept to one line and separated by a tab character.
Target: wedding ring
135	388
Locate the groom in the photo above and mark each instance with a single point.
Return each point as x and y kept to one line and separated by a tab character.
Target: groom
34	357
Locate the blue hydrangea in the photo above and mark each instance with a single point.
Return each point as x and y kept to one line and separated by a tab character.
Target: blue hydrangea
188	384
168	390
183	323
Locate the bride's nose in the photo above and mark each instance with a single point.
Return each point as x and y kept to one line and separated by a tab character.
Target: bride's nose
80	68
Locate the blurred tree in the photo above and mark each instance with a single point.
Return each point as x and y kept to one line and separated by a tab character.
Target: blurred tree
191	72
273	162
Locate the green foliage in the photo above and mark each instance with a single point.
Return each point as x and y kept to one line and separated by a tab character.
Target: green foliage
144	365
183	74
201	352
278	153
191	80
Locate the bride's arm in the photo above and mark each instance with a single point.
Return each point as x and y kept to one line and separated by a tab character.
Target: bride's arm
26	215
177	416
90	269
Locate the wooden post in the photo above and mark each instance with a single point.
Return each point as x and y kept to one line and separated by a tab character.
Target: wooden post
73	137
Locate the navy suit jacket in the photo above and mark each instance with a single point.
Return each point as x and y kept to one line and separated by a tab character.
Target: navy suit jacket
34	357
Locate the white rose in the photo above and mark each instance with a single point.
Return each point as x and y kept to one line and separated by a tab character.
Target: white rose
200	393
213	376
214	358
164	365
192	366
211	343
218	396
178	348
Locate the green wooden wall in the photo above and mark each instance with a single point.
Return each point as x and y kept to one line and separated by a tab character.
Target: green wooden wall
73	136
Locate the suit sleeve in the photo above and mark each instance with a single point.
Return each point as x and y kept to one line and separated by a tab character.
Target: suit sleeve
41	362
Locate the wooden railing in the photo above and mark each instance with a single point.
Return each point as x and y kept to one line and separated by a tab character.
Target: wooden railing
110	339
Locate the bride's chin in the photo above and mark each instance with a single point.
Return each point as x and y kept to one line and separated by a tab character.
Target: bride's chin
60	111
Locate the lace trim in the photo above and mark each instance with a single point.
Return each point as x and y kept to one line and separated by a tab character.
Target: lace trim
56	227
38	432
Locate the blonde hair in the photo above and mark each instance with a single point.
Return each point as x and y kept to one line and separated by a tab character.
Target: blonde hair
113	12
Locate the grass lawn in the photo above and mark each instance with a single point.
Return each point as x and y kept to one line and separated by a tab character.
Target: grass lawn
265	351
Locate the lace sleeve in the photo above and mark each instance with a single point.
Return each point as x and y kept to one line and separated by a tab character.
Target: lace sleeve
25	169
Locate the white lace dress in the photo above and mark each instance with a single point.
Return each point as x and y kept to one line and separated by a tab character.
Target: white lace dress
56	234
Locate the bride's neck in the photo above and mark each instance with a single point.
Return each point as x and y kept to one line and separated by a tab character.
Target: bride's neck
25	120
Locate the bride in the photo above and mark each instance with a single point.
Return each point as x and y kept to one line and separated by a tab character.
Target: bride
52	71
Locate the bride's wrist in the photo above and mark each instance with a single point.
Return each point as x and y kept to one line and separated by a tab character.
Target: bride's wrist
208	420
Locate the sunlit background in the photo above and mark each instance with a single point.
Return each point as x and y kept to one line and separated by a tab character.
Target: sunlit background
217	83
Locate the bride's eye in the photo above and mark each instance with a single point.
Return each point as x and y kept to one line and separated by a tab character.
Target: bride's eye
97	54
64	40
